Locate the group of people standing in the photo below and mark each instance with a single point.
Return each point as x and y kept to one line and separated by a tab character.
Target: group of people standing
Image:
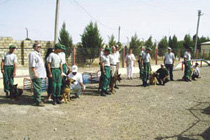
144	62
54	67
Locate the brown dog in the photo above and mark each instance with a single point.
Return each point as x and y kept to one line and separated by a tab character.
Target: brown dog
65	88
15	92
113	82
153	78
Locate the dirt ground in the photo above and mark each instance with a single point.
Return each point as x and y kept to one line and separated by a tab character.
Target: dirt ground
177	111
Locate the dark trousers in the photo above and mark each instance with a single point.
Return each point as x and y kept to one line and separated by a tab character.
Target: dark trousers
169	67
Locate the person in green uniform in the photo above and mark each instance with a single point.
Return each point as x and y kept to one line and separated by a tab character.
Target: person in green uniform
8	68
141	72
55	72
37	72
147	66
105	73
187	63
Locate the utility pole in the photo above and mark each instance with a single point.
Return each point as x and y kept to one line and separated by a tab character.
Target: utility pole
196	36
56	22
119	34
26	33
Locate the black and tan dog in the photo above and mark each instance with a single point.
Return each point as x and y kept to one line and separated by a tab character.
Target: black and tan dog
65	88
15	92
153	78
113	82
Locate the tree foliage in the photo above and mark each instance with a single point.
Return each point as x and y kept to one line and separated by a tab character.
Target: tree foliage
162	46
66	40
135	45
112	41
91	42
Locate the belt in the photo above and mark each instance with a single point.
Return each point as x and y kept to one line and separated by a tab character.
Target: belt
55	68
113	65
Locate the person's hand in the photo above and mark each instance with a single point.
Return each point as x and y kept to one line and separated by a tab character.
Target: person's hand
14	74
50	75
61	75
36	75
2	71
83	88
104	72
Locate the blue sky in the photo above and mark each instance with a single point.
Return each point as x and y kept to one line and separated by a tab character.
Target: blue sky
146	18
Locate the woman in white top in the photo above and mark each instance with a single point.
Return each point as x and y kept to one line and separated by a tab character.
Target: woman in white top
130	59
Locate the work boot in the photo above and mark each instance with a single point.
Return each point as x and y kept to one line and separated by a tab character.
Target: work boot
103	93
54	101
7	95
107	93
116	87
58	101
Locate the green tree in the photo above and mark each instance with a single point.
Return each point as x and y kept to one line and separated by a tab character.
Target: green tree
66	40
91	41
173	43
112	41
149	42
162	46
135	45
188	41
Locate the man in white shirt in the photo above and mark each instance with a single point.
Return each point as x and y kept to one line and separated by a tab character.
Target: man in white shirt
187	63
37	72
196	71
77	87
130	59
169	62
8	68
55	72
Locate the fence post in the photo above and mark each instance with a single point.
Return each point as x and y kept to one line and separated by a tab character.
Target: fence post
73	53
203	53
201	64
123	62
182	66
179	54
156	55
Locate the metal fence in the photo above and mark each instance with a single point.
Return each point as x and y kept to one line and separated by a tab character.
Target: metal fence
90	57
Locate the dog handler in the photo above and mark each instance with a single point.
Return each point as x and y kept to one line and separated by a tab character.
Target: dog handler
105	73
113	62
147	66
8	68
37	71
77	87
187	62
55	72
141	72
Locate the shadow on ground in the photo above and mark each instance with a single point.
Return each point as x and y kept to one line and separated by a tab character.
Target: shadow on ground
205	135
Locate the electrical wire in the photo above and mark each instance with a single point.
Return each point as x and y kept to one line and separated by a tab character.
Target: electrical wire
98	21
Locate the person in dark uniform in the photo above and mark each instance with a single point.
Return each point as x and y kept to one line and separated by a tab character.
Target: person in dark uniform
162	75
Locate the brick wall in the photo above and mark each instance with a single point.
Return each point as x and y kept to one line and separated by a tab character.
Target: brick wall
23	48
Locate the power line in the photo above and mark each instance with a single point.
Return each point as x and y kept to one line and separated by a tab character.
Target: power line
4	2
93	17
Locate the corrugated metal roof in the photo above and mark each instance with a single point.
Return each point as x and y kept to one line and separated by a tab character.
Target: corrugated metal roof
205	43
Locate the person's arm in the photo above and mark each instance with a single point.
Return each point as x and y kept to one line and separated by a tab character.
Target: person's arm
35	73
14	72
49	70
102	67
2	66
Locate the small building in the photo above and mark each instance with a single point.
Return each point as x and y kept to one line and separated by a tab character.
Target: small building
205	47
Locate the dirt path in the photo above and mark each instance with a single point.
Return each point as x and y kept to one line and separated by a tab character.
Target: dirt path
177	111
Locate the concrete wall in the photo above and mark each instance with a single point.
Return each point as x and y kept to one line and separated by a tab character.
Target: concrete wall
206	48
24	47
